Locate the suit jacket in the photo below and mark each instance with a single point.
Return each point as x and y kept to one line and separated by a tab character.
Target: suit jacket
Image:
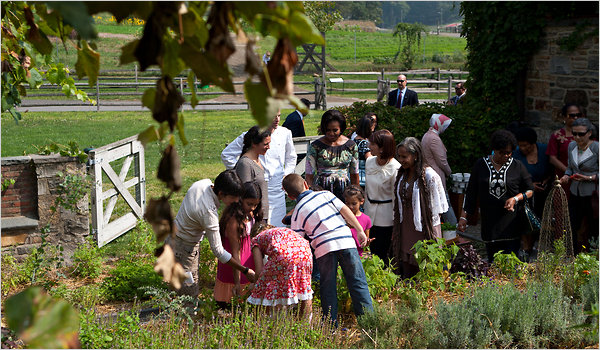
587	164
410	98
294	122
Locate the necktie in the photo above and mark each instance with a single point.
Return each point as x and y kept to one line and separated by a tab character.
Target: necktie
399	99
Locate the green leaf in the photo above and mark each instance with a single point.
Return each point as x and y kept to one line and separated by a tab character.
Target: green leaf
192	84
35	79
207	68
75	13
181	129
88	63
127	51
263	106
304	30
41	321
148	98
295	101
148	135
163	130
172	65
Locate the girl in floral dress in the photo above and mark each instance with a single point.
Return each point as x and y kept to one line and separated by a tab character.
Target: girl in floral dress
235	226
285	278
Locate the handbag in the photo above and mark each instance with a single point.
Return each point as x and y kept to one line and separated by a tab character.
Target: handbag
532	219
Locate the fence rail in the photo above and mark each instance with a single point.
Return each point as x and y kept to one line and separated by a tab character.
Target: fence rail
123	82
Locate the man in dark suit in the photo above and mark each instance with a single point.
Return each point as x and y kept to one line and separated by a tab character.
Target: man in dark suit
460	93
402	96
295	121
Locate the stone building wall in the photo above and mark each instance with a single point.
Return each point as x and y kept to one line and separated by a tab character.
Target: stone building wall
26	205
555	77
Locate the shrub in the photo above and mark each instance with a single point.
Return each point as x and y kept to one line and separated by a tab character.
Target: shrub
466	139
393	326
434	258
13	274
509	264
503	316
124	282
469	262
99	334
87	261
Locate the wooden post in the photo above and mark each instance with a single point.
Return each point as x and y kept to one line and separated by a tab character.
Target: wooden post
317	92
324	86
136	77
438	78
98	95
182	95
449	86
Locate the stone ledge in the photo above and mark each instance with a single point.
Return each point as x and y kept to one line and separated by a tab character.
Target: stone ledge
19	223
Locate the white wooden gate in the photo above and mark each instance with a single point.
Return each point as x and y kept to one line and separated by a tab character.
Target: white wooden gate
100	158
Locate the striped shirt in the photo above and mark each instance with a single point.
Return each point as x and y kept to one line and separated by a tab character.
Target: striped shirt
317	216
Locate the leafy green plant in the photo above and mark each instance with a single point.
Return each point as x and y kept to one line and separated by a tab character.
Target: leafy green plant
97	334
13	274
509	264
87	260
69	150
409	35
124	282
447	227
469	262
44	260
180	307
434	258
71	190
42	321
6	183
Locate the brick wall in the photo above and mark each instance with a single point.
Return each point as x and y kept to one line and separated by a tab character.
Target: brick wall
26	205
19	199
555	77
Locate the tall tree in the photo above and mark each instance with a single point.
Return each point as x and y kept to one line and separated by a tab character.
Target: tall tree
409	42
360	10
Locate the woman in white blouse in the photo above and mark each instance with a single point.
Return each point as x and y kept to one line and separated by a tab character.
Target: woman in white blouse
419	200
380	173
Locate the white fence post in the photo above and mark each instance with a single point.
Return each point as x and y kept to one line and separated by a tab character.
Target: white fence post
98	94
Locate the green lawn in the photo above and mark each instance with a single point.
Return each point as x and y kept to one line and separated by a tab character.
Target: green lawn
207	132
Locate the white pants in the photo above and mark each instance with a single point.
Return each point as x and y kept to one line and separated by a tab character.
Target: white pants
277	208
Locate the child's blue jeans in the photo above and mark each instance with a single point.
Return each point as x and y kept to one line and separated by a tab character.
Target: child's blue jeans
356	281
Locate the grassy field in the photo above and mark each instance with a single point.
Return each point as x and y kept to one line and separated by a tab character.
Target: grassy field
207	132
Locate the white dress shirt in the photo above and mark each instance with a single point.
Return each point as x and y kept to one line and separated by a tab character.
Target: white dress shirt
280	160
379	186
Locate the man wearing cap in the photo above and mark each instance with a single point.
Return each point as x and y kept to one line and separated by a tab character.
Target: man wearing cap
434	154
402	96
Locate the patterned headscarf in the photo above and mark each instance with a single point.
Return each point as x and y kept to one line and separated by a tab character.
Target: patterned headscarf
439	122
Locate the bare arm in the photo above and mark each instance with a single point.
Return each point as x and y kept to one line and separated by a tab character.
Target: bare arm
234	242
558	164
354	179
348	215
257	255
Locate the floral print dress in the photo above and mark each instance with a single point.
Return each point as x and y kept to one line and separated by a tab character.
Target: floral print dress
286	277
332	164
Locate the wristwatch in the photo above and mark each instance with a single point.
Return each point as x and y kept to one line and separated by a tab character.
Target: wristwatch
245	272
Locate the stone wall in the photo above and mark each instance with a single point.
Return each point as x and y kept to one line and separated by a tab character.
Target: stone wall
555	77
27	205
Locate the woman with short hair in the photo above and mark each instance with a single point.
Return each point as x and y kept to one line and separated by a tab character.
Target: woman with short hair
332	157
498	182
582	170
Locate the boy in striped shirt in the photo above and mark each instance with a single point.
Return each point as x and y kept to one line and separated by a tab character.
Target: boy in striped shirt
323	218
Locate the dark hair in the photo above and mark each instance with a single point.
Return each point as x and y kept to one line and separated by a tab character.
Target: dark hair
384	140
584	122
306	102
235	210
564	109
363	129
228	182
501	139
372	114
413	146
526	134
354	191
253	137
332	115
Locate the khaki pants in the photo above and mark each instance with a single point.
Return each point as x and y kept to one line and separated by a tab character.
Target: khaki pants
187	255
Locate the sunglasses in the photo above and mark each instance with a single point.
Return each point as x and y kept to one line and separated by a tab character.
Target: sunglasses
580	134
400	81
574	115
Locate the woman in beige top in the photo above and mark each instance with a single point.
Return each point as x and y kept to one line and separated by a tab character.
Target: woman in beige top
380	171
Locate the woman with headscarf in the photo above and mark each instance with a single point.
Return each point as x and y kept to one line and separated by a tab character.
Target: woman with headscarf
434	155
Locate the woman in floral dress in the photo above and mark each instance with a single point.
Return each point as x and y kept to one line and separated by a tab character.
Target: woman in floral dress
286	277
332	157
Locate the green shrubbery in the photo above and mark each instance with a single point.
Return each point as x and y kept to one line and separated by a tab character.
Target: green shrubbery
87	261
466	139
124	282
